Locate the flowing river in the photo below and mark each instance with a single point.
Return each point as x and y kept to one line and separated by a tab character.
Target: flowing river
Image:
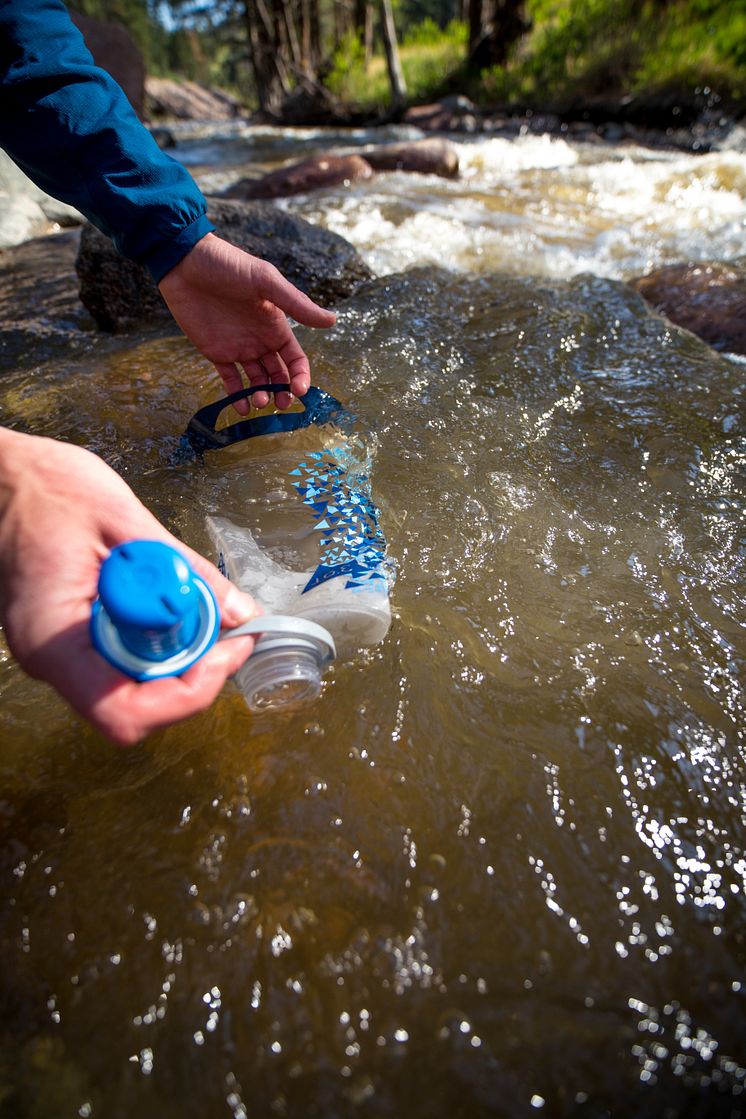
498	868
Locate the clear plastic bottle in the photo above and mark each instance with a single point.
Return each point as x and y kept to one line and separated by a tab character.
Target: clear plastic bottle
303	539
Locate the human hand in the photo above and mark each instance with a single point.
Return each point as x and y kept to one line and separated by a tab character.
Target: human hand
62	510
233	307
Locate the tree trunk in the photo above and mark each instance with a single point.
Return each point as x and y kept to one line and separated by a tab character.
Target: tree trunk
293	41
268	52
315	26
396	75
494	26
368	36
364	27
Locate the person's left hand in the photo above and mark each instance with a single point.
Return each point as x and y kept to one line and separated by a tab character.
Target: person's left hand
233	307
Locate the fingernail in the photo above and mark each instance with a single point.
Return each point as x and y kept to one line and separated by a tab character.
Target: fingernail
238	607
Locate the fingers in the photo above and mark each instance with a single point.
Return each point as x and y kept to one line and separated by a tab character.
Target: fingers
270	368
232	382
298	368
293	301
235	606
257	374
126	711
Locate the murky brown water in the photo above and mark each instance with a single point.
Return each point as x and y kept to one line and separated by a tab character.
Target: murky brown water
498	868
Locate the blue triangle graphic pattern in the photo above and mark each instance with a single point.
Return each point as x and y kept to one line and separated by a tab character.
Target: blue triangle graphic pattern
351	542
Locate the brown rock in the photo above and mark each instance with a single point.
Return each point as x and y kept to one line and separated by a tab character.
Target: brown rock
184	100
298	178
708	299
40	314
115	51
120	295
452	114
425	157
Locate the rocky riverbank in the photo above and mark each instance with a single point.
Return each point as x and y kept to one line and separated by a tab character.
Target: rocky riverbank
685	122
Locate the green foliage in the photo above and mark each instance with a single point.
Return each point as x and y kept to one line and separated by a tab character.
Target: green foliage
348	64
428	33
429	56
573	48
615	46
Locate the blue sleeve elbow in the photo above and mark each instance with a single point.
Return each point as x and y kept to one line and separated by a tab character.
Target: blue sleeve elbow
70	127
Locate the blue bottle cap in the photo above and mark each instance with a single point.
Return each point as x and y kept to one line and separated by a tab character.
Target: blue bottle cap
154	616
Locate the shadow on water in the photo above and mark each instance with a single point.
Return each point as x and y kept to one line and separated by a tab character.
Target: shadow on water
498	868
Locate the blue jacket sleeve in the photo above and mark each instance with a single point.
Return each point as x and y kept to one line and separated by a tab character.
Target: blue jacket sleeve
69	126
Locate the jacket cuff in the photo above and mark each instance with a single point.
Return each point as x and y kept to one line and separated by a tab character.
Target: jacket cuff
167	254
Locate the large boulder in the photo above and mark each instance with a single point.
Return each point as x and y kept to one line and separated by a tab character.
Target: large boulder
184	100
25	210
120	294
707	298
115	51
299	178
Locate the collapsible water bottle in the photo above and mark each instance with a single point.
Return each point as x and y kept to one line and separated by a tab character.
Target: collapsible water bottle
300	533
154	616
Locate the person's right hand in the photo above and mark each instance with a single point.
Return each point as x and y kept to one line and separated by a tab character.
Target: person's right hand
62	510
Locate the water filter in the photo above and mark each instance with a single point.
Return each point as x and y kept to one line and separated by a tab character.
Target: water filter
300	533
154	616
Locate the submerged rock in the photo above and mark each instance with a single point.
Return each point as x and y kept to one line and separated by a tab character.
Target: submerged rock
709	299
120	294
429	156
298	178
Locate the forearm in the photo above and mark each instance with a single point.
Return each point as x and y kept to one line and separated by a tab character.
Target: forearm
70	127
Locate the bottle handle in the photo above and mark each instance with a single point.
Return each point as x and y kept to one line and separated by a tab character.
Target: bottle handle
319	408
284	628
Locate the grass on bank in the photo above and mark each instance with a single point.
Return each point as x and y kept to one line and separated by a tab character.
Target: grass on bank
429	58
574	48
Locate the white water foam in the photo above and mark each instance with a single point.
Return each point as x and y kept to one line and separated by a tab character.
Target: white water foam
543	205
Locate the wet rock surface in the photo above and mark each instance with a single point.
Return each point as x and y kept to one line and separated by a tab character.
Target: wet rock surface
120	295
687	120
709	299
40	312
451	114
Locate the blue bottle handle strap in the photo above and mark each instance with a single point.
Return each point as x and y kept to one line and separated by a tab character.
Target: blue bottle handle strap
319	408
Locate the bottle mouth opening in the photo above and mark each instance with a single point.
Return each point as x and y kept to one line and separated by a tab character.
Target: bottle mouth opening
281	677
